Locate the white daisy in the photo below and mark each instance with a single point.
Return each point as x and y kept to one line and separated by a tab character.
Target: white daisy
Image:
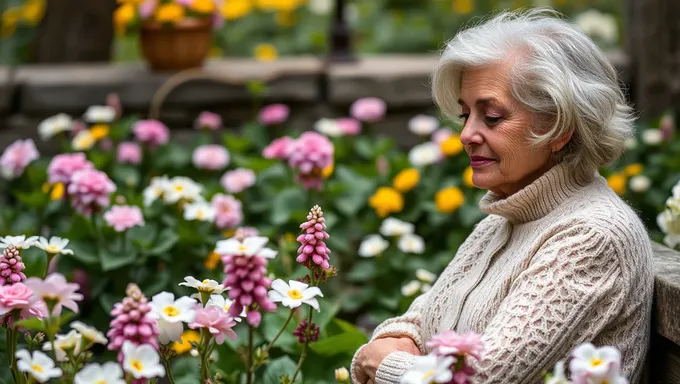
372	245
200	211
652	137
558	376
55	125
640	183
224	303
429	369
294	294
99	114
395	227
155	190
411	243
141	361
20	242
598	363
38	365
424	154
170	314
411	288
425	275
55	245
423	125
182	188
91	334
83	140
329	127
108	373
207	285
250	246
69	342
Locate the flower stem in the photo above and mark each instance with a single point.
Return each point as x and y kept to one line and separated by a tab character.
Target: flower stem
11	350
303	354
168	370
249	361
285	325
205	356
50	257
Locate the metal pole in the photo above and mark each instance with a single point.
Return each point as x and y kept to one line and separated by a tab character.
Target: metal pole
341	42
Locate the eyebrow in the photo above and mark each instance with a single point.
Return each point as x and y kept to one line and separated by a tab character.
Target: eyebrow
484	100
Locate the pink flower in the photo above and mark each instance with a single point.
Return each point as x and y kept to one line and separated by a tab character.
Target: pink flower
451	343
146	8
124	217
667	126
15	296
17	157
90	190
368	109
36	309
238	180
441	135
246	277
349	126
63	166
246	232
151	132
309	155
313	248
218	322
56	291
113	101
228	210
208	120
279	148
274	114
129	152
11	267
382	165
211	156
132	321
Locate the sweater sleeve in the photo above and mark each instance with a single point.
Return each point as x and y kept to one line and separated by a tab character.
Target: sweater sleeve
571	289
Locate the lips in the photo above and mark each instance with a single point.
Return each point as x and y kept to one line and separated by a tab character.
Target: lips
480	161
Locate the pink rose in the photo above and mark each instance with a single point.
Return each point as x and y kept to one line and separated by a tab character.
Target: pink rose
368	109
63	166
238	180
15	296
274	114
211	156
451	343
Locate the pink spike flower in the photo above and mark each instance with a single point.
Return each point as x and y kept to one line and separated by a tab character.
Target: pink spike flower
313	247
309	155
11	267
132	322
90	190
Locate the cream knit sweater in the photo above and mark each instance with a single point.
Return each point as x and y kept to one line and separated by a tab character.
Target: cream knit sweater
561	262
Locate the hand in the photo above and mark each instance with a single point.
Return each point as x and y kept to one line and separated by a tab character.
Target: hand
376	351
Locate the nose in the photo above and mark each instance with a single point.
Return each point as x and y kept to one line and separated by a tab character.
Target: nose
471	134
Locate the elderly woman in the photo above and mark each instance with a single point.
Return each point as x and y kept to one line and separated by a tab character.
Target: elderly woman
560	259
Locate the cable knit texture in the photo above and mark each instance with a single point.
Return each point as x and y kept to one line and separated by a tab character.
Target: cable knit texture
561	262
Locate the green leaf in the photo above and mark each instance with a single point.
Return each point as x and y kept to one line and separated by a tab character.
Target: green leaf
362	271
143	236
186	370
81	228
285	203
256	133
35	199
272	324
25	222
235	143
35	261
111	260
84	251
364	148
345	343
34	324
126	175
165	241
278	367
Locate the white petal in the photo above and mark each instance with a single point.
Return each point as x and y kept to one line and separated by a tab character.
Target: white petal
300	286
314	303
254	244
280	286
312	292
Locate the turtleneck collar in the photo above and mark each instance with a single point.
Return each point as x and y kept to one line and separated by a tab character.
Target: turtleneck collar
539	198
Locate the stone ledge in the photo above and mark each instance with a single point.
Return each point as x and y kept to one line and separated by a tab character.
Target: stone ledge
667	293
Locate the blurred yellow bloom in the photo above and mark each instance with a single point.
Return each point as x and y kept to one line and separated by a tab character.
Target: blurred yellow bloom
266	52
328	171
463	7
451	146
289	237
169	13
185	346
32	12
285	18
8	22
56	191
212	261
234	9
449	199
99	131
467	177
405	180
279	5
386	200
633	169
83	140
123	16
203	6
617	182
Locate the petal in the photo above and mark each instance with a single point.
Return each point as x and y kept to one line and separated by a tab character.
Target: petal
112	370
276	296
300	286
163	299
267	253
583	351
147	354
314	303
290	303
254	244
185	303
312	292
23	355
280	286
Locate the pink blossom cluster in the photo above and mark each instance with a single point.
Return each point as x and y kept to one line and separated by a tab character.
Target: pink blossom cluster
218	322
246	277
151	132
56	291
279	148
11	267
368	109
460	347
129	152
21	298
238	180
307	333
132	322
65	165
228	210
211	156
17	156
349	126
89	190
309	155
274	114
313	247
208	120
124	217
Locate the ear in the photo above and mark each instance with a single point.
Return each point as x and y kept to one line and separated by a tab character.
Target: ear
563	140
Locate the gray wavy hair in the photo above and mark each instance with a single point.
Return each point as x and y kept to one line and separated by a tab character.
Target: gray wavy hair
557	72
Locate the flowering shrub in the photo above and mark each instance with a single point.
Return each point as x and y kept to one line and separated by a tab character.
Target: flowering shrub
131	13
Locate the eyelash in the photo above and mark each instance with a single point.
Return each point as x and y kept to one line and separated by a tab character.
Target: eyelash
490	120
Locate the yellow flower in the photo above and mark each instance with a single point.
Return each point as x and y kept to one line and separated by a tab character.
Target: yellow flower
99	131
449	199
285	18
386	200
203	6
235	9
462	7
212	261
185	346
32	12
328	171
451	146
633	169
266	52
56	190
83	140
405	180
8	22
279	5
169	13
617	182
123	16
467	177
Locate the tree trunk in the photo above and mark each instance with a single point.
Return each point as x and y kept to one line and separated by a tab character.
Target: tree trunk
75	31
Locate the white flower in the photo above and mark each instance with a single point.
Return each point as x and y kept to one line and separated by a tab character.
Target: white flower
341	374
155	190
429	369
652	137
410	288
200	211
598	25
108	373
423	125
558	376
88	333
294	294
99	114
224	303
39	365
250	246
639	183
329	127
54	246
372	245
170	314
395	227
599	364
141	361
63	343
631	143
182	188
20	242
425	275
424	154
207	285
55	125
669	223
411	243
321	7
83	141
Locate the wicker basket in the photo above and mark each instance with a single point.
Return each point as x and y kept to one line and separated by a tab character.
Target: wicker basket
174	48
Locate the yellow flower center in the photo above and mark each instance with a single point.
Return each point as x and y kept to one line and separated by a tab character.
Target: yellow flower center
428	374
171	311
52	248
37	368
206	281
596	361
200	215
179	188
242	248
100	382
226	307
295	294
137	365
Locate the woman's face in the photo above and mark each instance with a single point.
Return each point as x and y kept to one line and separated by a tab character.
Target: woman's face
496	133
